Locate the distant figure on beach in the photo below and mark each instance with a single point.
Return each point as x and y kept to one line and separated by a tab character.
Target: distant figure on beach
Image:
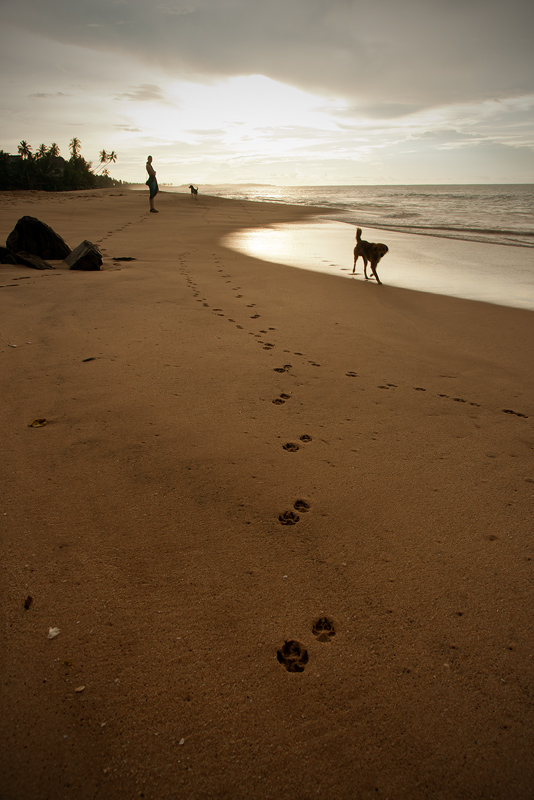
194	190
151	183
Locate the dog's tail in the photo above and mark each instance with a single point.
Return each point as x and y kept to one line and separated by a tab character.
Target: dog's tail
358	234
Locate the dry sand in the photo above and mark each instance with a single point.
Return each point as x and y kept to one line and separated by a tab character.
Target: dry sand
143	520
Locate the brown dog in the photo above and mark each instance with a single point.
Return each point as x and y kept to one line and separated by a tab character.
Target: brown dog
370	252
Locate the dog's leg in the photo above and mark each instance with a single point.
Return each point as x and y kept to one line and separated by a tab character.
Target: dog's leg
355	260
365	267
375	273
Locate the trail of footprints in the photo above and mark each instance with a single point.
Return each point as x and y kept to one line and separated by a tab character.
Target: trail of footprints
447	397
283	397
293	655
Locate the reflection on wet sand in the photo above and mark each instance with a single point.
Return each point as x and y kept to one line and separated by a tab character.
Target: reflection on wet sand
471	270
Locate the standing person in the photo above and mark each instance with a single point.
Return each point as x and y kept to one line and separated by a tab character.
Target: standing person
151	183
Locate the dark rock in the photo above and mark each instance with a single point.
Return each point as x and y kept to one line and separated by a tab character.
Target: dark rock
86	256
32	236
6	256
29	260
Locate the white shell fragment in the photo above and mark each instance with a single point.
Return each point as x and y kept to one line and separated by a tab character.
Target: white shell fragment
53	632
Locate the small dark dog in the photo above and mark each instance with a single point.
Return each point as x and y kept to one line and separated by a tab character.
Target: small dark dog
194	190
370	252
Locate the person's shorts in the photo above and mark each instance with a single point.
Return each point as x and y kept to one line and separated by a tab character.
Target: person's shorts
153	186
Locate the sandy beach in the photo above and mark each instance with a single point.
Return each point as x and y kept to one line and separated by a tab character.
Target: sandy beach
240	454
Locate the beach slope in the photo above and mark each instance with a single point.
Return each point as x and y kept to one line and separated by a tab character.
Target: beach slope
239	455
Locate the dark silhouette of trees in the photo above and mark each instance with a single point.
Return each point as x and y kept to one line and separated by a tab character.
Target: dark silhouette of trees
46	170
24	150
75	146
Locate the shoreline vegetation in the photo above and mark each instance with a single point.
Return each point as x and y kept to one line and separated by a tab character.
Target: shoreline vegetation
266	533
46	170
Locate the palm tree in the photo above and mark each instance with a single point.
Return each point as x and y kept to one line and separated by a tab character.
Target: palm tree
112	156
53	150
24	149
103	157
74	146
41	151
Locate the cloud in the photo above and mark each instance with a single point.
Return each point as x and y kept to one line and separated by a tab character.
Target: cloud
389	56
48	94
214	133
326	90
176	10
127	128
146	93
445	135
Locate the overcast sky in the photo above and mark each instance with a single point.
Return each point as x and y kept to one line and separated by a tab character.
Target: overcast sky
276	91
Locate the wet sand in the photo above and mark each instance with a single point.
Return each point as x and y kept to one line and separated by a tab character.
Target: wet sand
472	271
197	399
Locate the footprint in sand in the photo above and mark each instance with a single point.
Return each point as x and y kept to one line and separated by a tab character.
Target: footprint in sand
305	438
293	656
301	505
281	399
291	447
288	518
515	413
323	629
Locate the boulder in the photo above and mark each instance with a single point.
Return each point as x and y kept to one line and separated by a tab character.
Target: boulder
30	235
86	256
6	254
29	260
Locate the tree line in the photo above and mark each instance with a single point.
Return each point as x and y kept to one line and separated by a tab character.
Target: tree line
46	170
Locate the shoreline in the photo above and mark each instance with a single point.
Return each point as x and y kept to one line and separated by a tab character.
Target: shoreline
450	267
194	396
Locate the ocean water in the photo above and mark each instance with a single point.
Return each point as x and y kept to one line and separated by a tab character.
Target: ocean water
496	214
473	242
